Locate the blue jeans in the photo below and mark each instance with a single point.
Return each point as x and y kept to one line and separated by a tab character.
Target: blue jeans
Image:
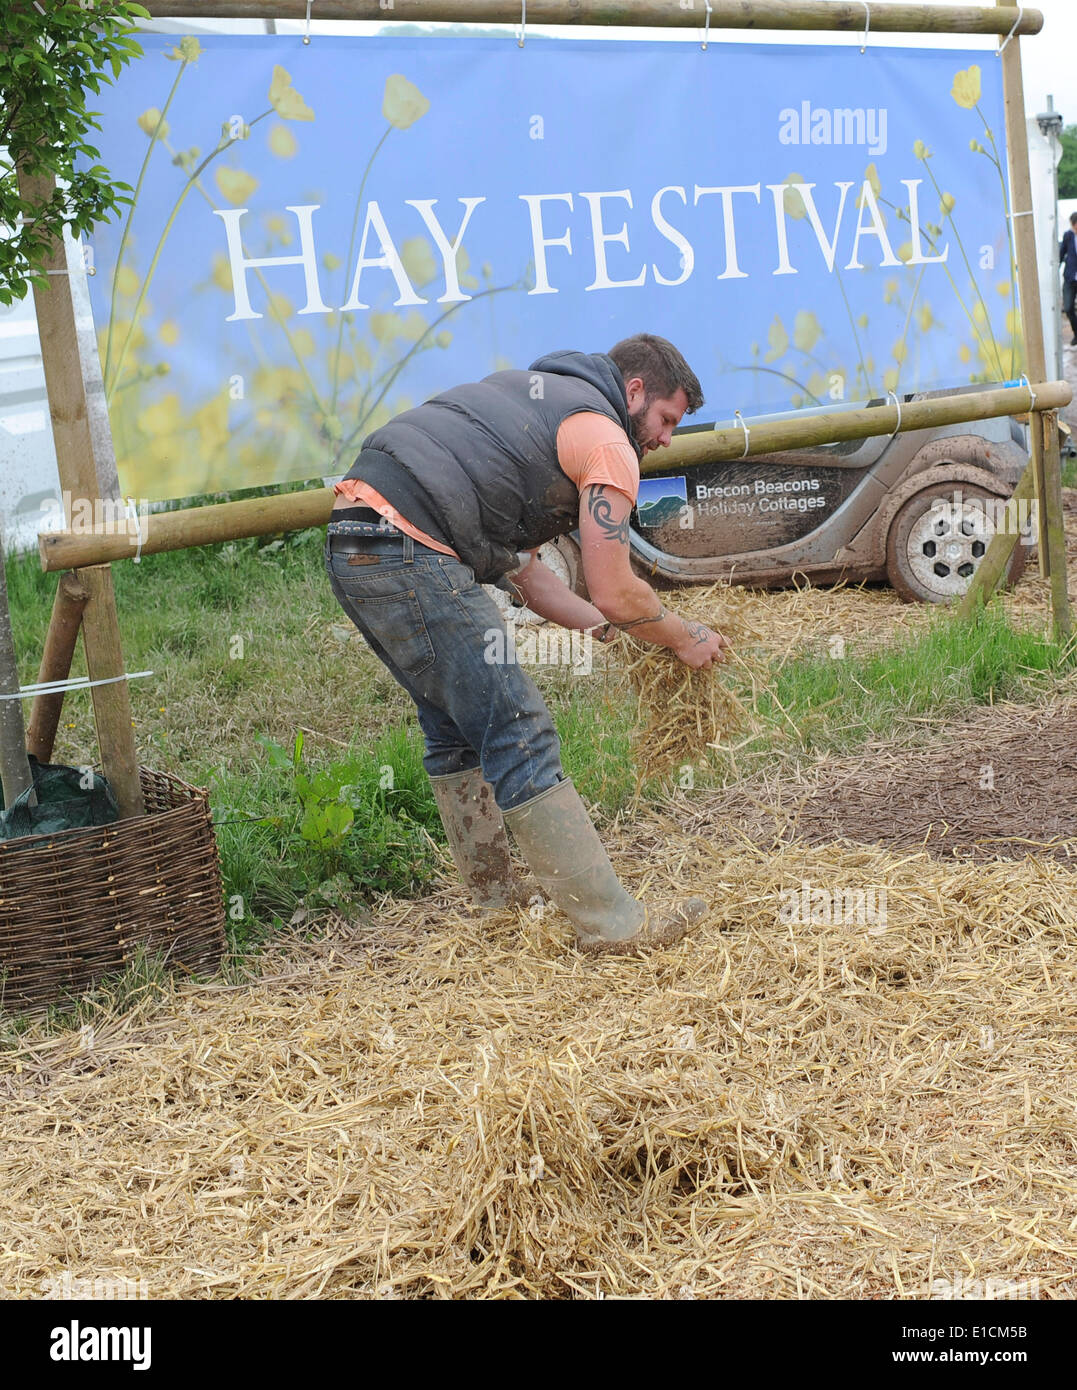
425	618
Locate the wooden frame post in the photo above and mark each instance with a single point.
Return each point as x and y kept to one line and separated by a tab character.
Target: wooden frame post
1045	464
71	598
1061	619
80	482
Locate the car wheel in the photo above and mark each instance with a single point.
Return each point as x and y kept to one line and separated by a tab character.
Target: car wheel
937	540
561	556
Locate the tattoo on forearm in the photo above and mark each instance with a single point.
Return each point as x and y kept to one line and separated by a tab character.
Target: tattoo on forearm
600	509
638	622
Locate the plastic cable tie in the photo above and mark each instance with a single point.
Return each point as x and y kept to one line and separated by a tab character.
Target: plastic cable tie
867	25
747	432
29	692
132	515
706	26
523	24
306	31
897	406
1009	36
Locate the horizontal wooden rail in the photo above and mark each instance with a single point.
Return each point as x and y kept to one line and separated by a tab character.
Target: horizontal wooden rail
292	511
886	18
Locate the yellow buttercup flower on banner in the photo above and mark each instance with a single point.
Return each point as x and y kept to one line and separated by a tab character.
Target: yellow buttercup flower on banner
236	185
284	98
778	340
871	178
418	260
147	123
806	330
386	327
413	327
463	262
222	272
211	420
187	50
403	104
169	333
966	88
282	142
164	417
126	281
792	201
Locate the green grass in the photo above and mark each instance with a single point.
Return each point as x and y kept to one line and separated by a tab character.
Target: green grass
822	704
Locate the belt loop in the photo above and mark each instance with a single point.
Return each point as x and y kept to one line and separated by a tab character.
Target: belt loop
409	549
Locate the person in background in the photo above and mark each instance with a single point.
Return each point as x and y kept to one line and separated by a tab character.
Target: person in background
1067	255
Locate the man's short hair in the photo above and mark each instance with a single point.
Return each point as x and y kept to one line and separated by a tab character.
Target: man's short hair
659	366
1073	219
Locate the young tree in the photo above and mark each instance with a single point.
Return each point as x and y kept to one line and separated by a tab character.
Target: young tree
52	53
1067	169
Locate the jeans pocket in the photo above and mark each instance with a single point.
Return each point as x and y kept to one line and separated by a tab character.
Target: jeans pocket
395	620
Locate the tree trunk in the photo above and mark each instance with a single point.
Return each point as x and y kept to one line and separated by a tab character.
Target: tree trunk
14	768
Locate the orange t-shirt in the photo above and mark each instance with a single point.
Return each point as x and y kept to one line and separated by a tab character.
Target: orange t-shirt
591	449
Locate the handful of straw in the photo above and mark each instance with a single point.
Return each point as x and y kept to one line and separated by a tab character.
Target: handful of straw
682	711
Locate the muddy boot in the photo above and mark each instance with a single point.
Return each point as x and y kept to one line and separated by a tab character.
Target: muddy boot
476	835
557	839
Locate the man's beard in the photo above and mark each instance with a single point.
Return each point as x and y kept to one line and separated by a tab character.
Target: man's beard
639	436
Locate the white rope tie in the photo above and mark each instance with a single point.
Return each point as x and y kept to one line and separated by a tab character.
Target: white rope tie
706	26
747	432
1009	36
867	24
306	31
523	24
132	515
897	406
1032	393
28	692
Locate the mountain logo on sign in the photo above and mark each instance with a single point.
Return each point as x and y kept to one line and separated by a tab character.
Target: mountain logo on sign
661	500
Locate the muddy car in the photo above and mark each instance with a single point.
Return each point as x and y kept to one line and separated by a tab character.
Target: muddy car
915	510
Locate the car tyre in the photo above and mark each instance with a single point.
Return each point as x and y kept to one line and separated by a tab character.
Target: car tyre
938	539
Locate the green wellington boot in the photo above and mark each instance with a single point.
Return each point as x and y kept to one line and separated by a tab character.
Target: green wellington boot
476	835
562	847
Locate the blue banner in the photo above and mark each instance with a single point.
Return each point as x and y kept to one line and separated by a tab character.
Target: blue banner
324	235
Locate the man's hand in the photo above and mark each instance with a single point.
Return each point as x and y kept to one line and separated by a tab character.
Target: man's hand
702	647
